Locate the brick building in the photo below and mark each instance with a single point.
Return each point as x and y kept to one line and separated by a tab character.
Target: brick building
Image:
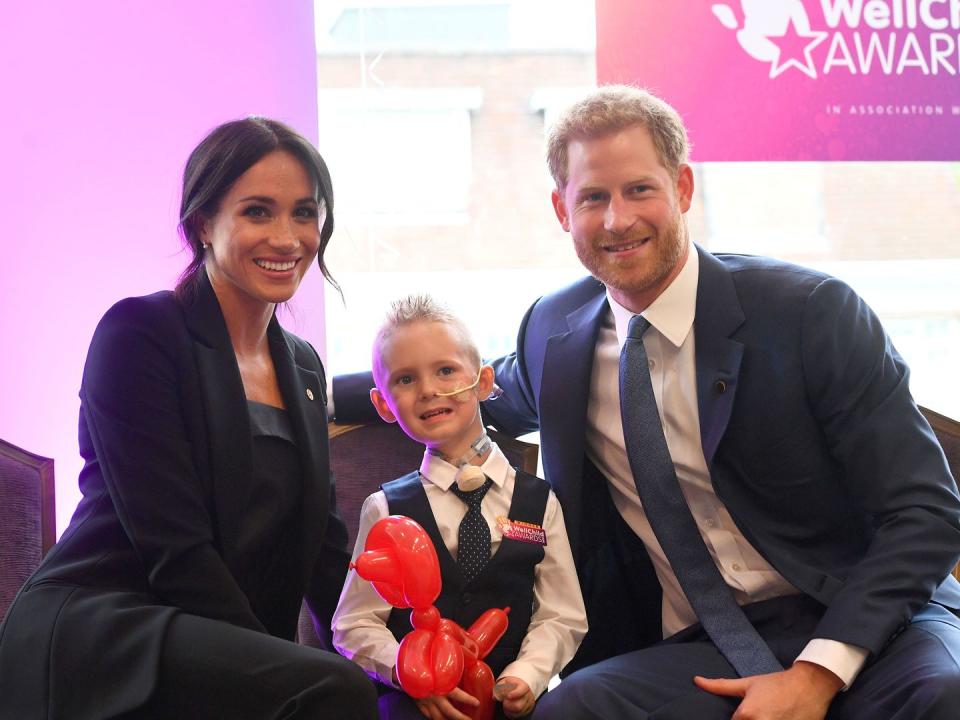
432	117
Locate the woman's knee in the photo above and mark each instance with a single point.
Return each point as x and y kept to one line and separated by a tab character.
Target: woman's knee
357	683
339	688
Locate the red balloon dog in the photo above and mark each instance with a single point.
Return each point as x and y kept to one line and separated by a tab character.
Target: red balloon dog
437	655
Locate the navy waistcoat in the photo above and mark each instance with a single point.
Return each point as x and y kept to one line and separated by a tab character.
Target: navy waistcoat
507	580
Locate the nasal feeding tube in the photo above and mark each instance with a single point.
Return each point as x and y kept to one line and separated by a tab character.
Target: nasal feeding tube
460	393
469	477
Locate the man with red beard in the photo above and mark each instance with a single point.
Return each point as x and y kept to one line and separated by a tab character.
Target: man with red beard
762	521
818	520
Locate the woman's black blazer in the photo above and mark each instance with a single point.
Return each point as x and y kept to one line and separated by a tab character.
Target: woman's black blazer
165	434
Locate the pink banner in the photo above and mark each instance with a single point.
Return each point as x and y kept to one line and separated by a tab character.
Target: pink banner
795	79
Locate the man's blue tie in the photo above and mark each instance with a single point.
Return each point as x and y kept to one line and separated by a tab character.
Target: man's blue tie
672	521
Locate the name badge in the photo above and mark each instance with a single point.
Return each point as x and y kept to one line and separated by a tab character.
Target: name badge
521	531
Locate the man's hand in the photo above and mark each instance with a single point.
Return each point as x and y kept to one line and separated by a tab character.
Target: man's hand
803	692
518	701
440	707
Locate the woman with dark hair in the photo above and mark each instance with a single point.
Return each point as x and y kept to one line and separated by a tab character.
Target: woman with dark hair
208	510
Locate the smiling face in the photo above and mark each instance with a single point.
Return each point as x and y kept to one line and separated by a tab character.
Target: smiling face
625	210
414	362
264	235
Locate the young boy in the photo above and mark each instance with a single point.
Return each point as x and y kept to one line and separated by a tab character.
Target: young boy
430	379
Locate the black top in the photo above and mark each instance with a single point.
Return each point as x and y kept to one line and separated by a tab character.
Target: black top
268	540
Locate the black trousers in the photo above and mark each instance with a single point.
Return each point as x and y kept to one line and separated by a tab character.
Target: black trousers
917	677
213	670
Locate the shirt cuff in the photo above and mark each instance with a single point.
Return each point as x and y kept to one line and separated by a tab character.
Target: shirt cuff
843	660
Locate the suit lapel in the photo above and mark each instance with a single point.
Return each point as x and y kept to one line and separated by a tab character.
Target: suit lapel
718	316
303	396
565	391
228	422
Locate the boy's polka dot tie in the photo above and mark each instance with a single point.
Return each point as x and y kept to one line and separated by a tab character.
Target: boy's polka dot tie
473	537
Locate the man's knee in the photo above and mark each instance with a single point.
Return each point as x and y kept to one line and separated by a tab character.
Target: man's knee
935	696
584	694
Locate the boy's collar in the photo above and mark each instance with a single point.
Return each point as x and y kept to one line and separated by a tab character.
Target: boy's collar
441	473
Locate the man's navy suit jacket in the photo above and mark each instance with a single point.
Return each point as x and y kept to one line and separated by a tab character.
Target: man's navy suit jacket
812	439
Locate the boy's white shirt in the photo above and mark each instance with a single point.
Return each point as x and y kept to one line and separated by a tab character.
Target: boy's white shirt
559	620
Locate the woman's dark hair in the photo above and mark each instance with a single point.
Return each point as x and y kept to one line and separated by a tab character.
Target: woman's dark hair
222	157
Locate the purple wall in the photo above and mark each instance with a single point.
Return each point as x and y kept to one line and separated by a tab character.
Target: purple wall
100	103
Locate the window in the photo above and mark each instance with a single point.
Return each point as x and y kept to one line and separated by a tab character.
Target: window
433	117
432	121
411	163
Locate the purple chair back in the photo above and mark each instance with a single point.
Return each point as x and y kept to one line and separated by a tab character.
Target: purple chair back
27	517
947	431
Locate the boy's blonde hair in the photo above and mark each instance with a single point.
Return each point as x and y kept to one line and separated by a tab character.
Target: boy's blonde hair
420	307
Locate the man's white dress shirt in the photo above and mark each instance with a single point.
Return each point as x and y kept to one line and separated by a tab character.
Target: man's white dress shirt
670	345
559	620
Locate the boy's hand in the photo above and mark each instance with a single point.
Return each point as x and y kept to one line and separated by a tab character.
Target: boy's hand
519	700
440	707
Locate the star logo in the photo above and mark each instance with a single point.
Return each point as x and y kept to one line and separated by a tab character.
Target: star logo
794	45
773	31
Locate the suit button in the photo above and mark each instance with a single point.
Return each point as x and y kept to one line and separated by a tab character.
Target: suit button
721	386
466	598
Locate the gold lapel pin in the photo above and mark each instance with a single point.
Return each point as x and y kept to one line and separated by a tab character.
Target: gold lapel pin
309	394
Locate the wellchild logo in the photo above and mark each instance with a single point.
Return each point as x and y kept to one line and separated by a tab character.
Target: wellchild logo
774	31
886	37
